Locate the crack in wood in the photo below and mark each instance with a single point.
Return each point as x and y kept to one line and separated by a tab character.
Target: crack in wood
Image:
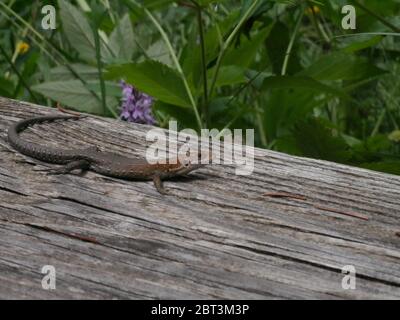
318	265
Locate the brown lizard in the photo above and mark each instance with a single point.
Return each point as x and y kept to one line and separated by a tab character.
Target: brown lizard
92	158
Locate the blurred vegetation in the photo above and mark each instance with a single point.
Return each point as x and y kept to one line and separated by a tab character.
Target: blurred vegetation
285	68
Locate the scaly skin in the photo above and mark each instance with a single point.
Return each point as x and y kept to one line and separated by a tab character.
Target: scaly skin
105	163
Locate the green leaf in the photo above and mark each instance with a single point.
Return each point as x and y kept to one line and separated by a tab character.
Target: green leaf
191	55
74	94
63	73
122	41
287	144
283	108
375	143
156	4
228	75
153	78
257	77
158	51
184	116
299	82
372	149
290	99
244	55
6	87
205	3
29	68
392	167
314	140
341	66
223	110
357	46
277	43
113	89
78	31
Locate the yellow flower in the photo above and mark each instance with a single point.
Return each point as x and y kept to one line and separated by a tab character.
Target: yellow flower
395	136
312	9
22	47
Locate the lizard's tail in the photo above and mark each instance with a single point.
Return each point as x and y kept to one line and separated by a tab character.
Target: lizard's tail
23	124
23	146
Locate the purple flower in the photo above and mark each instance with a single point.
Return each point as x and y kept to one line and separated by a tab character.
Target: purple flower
136	106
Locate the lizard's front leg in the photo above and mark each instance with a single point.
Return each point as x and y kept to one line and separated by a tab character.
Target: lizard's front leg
159	184
73	165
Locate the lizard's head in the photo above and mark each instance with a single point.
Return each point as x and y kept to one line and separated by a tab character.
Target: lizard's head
181	168
185	168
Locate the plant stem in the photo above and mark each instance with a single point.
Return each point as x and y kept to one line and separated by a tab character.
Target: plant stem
26	24
214	20
226	44
178	67
263	137
106	4
52	45
203	63
291	42
378	123
174	58
21	79
317	25
378	17
368	34
244	86
99	64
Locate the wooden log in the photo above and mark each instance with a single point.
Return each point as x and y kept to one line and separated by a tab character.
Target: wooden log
284	232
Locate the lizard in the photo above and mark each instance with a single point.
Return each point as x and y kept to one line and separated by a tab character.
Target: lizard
92	158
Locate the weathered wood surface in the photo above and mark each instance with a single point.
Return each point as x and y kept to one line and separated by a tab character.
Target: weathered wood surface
215	236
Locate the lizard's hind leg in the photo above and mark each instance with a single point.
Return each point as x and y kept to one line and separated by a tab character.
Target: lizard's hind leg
73	165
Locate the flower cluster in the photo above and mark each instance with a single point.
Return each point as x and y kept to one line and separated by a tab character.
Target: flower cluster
313	10
136	106
22	47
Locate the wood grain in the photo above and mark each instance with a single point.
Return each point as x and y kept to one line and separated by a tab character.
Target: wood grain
216	235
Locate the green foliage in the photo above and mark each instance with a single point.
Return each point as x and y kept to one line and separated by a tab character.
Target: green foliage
244	54
77	30
6	87
155	79
228	75
392	167
217	64
74	94
341	66
122	40
276	45
315	140
300	82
